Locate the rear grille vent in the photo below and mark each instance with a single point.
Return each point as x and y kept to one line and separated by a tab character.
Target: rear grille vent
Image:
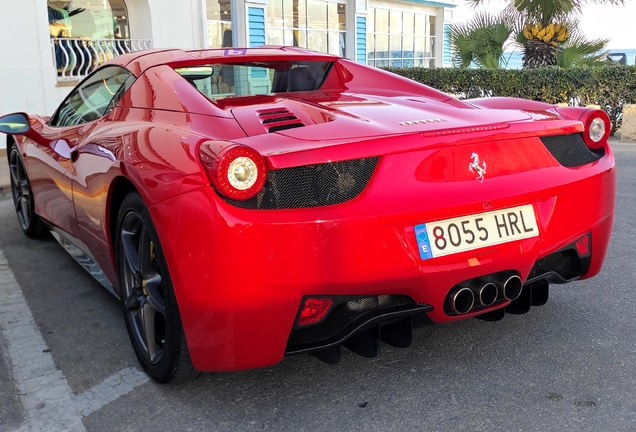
344	318
279	119
312	185
570	150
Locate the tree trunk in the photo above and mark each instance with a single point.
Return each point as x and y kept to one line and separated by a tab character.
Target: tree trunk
537	53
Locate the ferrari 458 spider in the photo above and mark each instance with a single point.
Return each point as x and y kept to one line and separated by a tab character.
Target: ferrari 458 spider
247	204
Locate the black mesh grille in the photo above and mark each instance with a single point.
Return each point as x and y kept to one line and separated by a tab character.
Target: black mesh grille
349	313
284	127
312	185
272	117
279	119
276	111
571	150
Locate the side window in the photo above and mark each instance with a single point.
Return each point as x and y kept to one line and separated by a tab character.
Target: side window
93	98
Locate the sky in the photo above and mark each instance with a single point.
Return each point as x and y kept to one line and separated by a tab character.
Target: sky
618	23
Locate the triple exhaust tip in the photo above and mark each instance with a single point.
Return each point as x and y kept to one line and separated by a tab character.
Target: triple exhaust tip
462	299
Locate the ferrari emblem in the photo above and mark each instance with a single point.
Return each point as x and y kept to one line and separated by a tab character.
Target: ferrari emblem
475	167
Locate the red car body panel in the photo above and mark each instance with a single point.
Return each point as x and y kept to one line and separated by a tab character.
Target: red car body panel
361	247
240	275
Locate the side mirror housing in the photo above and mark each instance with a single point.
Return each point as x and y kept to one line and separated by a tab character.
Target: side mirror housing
15	124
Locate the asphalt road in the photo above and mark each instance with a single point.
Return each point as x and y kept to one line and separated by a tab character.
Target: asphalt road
568	365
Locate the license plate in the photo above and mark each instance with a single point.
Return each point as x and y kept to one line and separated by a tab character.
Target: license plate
466	233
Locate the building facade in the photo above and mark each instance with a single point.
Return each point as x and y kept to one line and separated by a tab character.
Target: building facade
50	45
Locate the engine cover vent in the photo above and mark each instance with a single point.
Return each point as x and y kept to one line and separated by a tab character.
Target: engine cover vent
279	119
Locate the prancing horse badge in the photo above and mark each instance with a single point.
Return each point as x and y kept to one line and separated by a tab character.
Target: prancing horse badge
474	167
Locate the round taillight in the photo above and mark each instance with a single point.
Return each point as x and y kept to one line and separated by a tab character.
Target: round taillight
237	172
597	129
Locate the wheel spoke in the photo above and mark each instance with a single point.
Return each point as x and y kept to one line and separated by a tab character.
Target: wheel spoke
24	188
145	263
151	277
130	252
133	303
148	322
13	169
24	209
154	295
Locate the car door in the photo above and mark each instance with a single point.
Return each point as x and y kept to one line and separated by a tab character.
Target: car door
49	168
75	120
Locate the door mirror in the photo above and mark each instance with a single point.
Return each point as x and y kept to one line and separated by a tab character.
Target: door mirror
17	123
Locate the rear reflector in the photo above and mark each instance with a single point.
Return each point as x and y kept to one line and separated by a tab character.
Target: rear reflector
583	246
314	310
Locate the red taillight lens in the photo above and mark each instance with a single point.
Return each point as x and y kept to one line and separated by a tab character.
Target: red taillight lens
237	172
583	246
314	310
597	128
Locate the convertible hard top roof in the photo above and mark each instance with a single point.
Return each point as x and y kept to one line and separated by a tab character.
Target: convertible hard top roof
139	61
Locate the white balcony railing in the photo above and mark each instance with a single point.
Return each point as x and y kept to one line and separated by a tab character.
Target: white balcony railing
76	58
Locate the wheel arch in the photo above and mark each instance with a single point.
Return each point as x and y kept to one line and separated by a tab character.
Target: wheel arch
120	188
10	143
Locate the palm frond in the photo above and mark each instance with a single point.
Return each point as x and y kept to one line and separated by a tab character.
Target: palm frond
481	40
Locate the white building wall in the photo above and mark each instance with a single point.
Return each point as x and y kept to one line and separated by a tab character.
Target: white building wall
27	73
28	79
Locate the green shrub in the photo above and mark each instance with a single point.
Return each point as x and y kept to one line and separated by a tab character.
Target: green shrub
611	87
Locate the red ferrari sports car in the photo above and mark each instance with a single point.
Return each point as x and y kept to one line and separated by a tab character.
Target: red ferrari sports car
248	204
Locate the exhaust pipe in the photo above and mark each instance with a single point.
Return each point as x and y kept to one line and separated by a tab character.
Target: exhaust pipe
485	292
511	285
460	300
488	294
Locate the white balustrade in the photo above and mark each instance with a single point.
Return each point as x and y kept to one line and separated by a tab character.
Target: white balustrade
75	58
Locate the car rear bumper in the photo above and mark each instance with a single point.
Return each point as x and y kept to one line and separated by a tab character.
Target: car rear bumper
240	276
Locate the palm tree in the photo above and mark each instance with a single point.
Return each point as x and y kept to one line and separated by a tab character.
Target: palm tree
544	26
481	41
580	51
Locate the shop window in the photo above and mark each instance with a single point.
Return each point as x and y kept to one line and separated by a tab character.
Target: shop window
400	39
86	33
86	19
219	23
315	24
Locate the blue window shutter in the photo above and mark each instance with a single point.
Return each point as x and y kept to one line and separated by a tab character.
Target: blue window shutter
361	39
256	26
446	54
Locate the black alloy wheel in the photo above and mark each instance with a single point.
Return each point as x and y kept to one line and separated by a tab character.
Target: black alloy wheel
150	307
23	196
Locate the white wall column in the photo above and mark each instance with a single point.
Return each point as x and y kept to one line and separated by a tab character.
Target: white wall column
439	36
27	74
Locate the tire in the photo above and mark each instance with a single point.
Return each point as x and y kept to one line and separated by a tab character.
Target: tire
23	201
147	296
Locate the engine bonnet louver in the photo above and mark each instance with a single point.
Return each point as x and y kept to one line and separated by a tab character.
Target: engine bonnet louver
279	119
